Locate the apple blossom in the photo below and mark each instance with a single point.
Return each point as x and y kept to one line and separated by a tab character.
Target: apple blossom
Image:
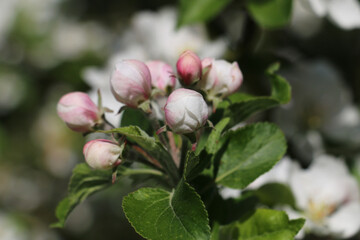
325	193
189	68
102	154
78	111
131	82
280	173
220	78
185	111
162	75
329	197
344	13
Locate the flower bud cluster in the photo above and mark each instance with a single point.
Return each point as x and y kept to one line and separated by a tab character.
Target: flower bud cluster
134	83
217	78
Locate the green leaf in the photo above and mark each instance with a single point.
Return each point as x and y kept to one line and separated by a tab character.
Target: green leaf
195	164
213	145
280	88
251	151
225	211
192	11
151	145
241	106
135	117
83	183
264	224
270	14
157	214
273	194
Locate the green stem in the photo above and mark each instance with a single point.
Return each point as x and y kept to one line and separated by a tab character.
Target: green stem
129	172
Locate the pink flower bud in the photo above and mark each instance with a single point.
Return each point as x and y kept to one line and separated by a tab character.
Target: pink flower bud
189	68
78	111
185	111
131	82
102	154
162	75
220	78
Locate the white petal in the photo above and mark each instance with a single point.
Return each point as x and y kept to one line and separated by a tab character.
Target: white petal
326	181
345	13
319	7
346	221
304	23
227	193
279	173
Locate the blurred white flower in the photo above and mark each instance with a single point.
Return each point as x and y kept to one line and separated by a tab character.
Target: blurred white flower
71	39
344	13
24	228
100	79
348	117
157	33
6	18
39	12
311	110
325	193
56	142
280	173
12	90
304	22
23	190
328	197
9	229
227	193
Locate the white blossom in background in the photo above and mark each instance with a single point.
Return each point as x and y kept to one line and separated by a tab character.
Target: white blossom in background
12	90
157	33
153	36
6	18
9	229
60	39
328	196
280	173
227	193
99	79
348	117
55	142
71	39
15	227
304	22
38	13
344	13
23	191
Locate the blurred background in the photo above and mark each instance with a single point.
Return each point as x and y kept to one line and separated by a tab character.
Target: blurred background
51	47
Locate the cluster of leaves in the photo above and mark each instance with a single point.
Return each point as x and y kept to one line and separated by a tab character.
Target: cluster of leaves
189	206
269	14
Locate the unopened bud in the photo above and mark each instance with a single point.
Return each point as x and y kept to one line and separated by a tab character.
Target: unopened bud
189	68
78	111
131	82
102	154
162	75
220	78
185	111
